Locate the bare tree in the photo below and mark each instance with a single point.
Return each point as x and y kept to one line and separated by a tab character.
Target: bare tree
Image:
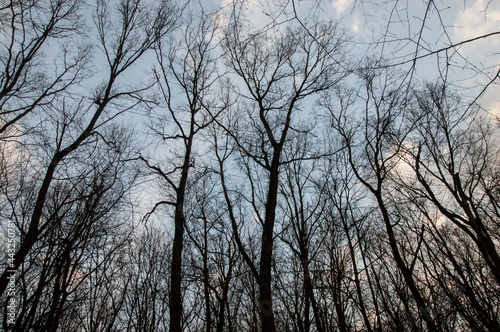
277	73
345	211
449	163
192	65
82	213
375	153
212	254
138	27
460	152
28	26
145	305
303	213
376	209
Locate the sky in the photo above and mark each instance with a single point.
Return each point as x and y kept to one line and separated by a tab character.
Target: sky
456	21
400	21
396	28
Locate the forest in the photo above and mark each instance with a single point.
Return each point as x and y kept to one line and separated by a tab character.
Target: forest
249	165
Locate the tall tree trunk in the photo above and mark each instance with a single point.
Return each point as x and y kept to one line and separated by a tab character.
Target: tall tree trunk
178	243
265	289
176	268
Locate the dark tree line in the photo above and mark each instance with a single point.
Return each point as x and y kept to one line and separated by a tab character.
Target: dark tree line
165	166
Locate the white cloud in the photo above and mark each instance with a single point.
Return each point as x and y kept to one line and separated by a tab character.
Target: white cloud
355	26
341	5
479	19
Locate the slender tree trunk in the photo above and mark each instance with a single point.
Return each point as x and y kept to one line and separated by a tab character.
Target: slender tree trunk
308	288
176	307
223	303
206	277
176	264
176	268
266	307
356	277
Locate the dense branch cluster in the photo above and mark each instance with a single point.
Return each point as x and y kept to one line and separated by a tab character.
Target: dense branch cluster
166	168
